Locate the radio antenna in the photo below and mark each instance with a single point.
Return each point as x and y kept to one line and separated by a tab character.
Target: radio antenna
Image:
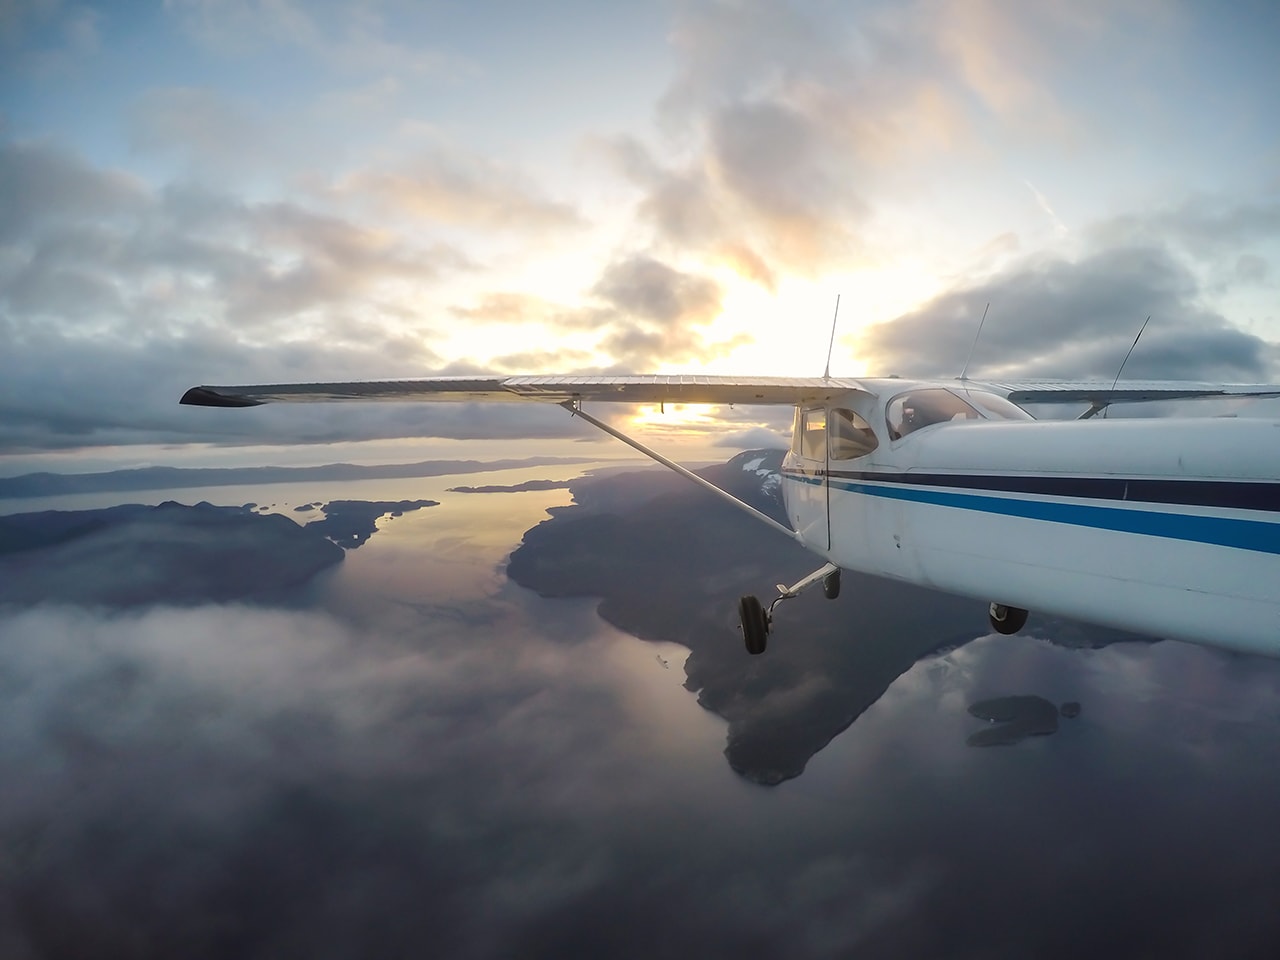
1129	354
826	373
975	340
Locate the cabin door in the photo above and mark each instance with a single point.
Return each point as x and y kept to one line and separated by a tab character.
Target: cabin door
808	501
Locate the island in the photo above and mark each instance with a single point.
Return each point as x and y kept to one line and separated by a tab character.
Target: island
669	560
136	555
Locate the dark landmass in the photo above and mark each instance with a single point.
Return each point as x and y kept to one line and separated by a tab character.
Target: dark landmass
350	523
136	555
669	561
515	487
174	478
1015	719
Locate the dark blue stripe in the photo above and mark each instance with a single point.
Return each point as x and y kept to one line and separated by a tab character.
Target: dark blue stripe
1256	535
1233	494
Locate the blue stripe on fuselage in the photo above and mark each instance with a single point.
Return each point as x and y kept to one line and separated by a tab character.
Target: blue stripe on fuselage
1257	535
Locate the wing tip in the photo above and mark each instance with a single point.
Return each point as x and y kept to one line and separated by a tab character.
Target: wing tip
205	397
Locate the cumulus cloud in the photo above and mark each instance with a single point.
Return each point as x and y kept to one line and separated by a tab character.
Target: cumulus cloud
1057	317
185	252
45	186
115	297
1233	243
782	121
657	293
640	313
660	311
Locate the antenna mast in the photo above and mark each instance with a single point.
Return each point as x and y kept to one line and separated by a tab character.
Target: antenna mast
1126	360
1130	353
973	345
826	373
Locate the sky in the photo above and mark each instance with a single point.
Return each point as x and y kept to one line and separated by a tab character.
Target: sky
231	191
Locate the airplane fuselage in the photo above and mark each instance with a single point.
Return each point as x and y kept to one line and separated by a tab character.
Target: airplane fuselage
1164	527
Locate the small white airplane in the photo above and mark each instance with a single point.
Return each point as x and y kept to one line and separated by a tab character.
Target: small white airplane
1168	527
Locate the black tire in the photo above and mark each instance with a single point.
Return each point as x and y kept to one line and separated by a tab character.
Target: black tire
1006	620
831	585
755	625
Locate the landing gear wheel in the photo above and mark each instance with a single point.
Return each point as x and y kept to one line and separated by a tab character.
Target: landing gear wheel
1006	620
755	625
831	585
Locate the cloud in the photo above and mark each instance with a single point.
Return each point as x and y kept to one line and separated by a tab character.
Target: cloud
527	308
754	438
68	391
446	185
660	311
417	782
657	293
1055	317
1232	241
115	297
187	251
233	745
779	124
46	186
352	39
209	133
47	39
640	313
497	775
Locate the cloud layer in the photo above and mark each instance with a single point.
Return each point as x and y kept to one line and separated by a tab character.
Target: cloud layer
502	778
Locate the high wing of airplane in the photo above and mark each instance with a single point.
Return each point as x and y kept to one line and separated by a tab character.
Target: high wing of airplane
1161	526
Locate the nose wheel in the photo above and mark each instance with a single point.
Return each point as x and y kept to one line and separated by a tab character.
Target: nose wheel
1006	620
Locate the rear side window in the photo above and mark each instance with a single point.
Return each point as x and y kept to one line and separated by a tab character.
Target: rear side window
850	435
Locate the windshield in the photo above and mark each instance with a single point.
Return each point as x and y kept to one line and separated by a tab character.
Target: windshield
996	407
909	412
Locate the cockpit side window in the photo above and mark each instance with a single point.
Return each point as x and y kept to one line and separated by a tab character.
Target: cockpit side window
850	436
912	411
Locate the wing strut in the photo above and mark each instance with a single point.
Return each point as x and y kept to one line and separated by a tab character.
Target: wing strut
575	408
